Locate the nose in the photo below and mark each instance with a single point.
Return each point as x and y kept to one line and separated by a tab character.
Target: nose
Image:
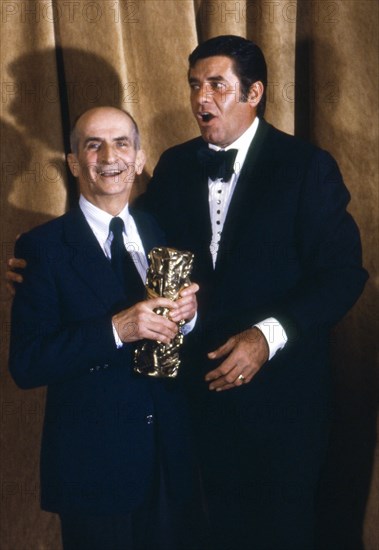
204	93
108	154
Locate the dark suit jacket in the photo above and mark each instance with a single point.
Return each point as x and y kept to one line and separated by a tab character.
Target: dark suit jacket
102	422
289	250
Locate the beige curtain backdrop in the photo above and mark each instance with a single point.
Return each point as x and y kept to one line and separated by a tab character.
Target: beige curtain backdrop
61	56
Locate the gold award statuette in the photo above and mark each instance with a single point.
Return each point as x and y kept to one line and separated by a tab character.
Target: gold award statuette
167	275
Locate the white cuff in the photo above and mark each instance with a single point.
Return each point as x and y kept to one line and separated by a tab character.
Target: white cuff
274	333
117	339
186	329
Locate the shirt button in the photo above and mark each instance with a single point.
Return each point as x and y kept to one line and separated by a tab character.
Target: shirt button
218	202
218	222
218	211
149	419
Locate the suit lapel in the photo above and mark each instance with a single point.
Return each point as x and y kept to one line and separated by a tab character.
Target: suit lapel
151	235
246	197
89	260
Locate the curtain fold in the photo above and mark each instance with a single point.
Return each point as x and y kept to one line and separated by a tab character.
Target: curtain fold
59	57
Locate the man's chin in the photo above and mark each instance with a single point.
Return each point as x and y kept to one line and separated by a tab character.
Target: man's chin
211	136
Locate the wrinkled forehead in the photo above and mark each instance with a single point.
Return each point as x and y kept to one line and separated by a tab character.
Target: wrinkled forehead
105	123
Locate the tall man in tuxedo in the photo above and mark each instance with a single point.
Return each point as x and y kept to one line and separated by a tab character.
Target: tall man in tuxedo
116	454
278	261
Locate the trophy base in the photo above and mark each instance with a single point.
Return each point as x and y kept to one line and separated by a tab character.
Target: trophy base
158	362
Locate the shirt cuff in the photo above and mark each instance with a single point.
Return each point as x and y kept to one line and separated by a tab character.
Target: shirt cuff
117	339
274	333
186	329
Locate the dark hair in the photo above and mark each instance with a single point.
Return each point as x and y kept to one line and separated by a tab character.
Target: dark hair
74	133
248	60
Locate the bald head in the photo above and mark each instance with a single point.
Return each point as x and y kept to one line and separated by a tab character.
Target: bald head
86	115
106	157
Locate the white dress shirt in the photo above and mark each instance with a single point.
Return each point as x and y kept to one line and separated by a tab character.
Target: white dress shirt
220	196
99	221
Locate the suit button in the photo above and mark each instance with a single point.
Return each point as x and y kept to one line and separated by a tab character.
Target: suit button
92	370
149	419
105	366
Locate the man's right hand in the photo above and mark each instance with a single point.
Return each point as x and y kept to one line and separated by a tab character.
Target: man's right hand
140	321
11	276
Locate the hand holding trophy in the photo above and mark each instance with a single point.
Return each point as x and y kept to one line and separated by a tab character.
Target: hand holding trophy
167	275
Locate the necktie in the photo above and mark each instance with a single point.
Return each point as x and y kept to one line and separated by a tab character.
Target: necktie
123	263
217	164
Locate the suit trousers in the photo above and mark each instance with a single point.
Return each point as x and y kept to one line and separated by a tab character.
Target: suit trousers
260	478
154	524
158	523
149	526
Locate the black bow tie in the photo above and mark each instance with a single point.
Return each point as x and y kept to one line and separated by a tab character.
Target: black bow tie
217	164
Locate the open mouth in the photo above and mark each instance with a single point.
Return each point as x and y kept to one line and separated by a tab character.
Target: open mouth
110	173
206	117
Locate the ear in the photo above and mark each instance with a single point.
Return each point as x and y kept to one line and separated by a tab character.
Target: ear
255	93
140	161
73	164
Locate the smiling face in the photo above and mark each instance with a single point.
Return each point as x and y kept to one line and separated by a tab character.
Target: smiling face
216	101
106	160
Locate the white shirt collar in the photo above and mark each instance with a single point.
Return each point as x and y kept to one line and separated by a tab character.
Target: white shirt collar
99	220
242	144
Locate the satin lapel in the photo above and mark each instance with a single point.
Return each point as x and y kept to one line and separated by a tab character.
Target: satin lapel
89	261
250	186
151	235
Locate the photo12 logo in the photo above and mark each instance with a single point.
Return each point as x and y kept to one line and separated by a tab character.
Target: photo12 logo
69	10
321	11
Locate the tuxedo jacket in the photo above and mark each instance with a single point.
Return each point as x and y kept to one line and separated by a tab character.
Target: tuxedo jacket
103	423
288	250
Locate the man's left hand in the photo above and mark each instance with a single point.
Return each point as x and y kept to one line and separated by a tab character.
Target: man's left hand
245	354
186	304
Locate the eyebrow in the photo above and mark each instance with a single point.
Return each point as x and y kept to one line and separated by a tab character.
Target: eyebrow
218	78
95	138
